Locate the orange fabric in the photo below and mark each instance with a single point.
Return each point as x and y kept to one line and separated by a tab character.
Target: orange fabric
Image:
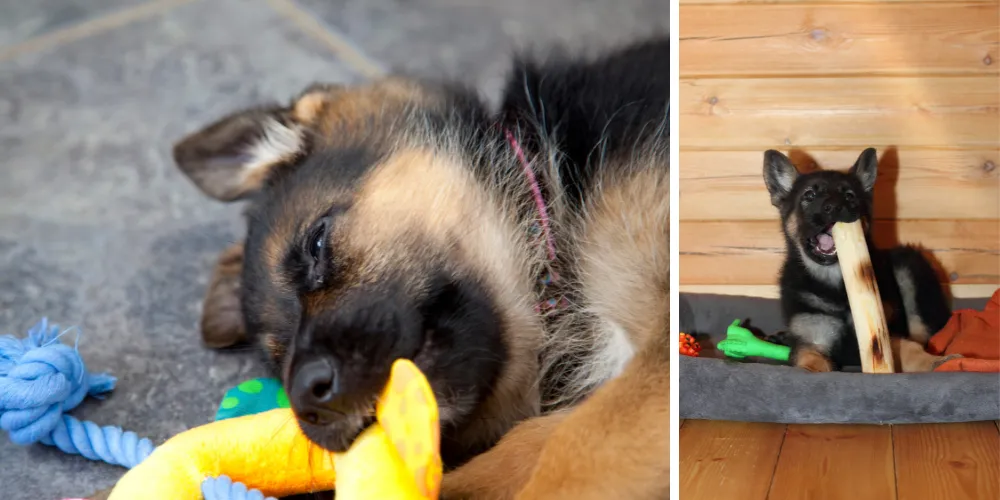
973	334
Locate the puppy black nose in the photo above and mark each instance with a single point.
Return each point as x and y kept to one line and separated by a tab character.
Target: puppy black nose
829	207
314	386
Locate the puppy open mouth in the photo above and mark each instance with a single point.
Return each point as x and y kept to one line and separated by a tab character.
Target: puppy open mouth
823	244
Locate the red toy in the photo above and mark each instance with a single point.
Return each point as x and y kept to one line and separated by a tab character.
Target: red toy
689	346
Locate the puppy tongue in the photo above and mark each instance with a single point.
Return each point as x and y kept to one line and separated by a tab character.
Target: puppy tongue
825	242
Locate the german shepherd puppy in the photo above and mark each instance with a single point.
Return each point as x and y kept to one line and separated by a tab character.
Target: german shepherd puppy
813	297
519	257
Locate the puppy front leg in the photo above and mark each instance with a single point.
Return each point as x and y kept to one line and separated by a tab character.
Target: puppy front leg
616	444
499	473
811	359
814	335
222	316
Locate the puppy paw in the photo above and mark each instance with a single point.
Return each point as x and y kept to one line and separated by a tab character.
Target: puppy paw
813	361
940	361
222	314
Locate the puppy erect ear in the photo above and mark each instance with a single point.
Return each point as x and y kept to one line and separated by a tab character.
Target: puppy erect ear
232	157
866	169
779	175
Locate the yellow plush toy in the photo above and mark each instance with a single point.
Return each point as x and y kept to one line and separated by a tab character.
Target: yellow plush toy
396	458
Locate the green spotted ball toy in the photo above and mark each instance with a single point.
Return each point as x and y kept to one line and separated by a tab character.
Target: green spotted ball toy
251	397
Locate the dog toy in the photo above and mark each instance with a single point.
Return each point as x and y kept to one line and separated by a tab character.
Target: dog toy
265	451
394	458
863	296
397	457
253	396
741	342
689	346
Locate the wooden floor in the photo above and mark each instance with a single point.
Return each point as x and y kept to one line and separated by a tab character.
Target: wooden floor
757	461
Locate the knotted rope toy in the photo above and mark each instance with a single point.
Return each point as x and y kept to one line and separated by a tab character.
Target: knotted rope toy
41	379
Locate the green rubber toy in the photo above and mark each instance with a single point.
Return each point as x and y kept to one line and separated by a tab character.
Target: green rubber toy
741	342
251	397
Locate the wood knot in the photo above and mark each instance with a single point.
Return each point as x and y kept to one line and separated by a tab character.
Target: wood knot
877	351
713	100
987	60
953	276
867	274
819	34
989	166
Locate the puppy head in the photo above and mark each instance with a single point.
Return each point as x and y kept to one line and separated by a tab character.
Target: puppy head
370	238
811	203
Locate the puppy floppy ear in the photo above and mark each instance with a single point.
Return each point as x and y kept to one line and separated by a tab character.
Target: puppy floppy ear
779	175
232	158
866	169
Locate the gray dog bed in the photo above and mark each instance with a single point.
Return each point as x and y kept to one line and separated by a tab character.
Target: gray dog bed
757	390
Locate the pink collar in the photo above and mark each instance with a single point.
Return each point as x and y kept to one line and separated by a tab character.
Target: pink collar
549	303
536	193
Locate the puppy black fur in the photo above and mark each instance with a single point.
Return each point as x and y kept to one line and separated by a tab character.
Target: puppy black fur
592	109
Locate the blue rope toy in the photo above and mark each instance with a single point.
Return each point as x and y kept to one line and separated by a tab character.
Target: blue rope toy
41	379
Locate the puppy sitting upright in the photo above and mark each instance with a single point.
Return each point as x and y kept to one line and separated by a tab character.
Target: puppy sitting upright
813	297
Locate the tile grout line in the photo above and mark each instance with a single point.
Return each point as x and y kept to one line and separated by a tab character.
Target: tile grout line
90	27
335	41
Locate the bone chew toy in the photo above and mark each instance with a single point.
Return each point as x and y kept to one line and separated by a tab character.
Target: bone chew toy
863	297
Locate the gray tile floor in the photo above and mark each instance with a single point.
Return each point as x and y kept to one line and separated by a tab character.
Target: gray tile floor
97	227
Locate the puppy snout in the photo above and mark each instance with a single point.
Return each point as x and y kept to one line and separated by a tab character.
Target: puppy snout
829	207
315	391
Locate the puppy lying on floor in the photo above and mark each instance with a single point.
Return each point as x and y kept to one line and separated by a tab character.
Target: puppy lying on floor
520	258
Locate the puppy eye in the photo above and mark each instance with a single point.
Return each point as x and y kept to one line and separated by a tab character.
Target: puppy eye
317	246
317	240
849	196
809	195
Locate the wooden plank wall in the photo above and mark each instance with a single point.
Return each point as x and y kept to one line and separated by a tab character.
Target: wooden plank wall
821	81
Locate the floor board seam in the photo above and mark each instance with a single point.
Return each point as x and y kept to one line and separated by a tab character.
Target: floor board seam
895	465
777	460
